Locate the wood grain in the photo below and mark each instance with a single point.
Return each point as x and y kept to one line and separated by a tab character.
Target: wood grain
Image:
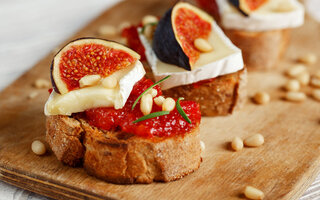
283	167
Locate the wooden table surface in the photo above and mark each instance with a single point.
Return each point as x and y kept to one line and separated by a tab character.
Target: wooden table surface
14	43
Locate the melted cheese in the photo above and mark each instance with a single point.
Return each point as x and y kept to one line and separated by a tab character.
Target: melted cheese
275	14
224	59
96	96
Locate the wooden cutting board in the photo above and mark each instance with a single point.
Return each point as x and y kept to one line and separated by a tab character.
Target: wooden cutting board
283	167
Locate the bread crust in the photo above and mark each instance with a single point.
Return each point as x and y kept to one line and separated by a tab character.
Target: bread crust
221	96
260	50
121	157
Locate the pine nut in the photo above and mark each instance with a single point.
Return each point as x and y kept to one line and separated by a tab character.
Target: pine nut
41	83
123	25
153	92
315	82
202	45
253	193
316	94
296	70
309	58
38	147
168	104
89	80
109	82
261	98
146	104
202	146
295	96
254	140
159	100
148	19
33	94
292	85
107	30
317	74
148	31
304	78
237	144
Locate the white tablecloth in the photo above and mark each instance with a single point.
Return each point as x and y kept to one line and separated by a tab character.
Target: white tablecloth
29	30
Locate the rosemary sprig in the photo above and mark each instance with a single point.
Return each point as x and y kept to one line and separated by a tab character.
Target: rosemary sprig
181	111
149	88
152	115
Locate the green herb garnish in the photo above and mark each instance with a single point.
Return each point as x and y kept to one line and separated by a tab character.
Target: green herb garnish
149	88
149	24
152	115
181	111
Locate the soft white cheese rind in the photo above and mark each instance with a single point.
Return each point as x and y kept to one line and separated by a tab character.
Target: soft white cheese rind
95	96
261	21
229	64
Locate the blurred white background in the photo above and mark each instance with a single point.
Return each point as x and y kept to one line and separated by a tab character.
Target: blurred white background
29	30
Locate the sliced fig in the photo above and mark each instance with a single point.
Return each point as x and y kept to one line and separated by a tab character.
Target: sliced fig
173	40
247	6
88	56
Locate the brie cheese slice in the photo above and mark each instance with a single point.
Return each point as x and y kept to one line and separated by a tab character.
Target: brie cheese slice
225	58
96	96
275	14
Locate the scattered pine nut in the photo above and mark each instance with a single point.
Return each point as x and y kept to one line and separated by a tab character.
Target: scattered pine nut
317	74
304	78
89	80
109	82
153	92
38	147
295	96
123	25
261	98
309	58
202	45
146	104
202	145
237	144
253	193
296	70
33	94
316	94
315	82
254	140
168	104
41	83
148	19
159	100
292	85
107	30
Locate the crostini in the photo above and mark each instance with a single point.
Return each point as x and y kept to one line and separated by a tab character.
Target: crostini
204	65
261	28
105	115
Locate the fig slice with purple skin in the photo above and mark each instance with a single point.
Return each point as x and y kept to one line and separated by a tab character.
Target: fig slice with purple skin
173	40
88	56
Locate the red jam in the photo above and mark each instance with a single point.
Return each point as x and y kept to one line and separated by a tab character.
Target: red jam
122	119
89	59
133	40
199	83
255	4
190	26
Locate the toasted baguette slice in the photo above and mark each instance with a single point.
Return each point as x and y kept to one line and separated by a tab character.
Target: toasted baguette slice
121	157
221	96
260	50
